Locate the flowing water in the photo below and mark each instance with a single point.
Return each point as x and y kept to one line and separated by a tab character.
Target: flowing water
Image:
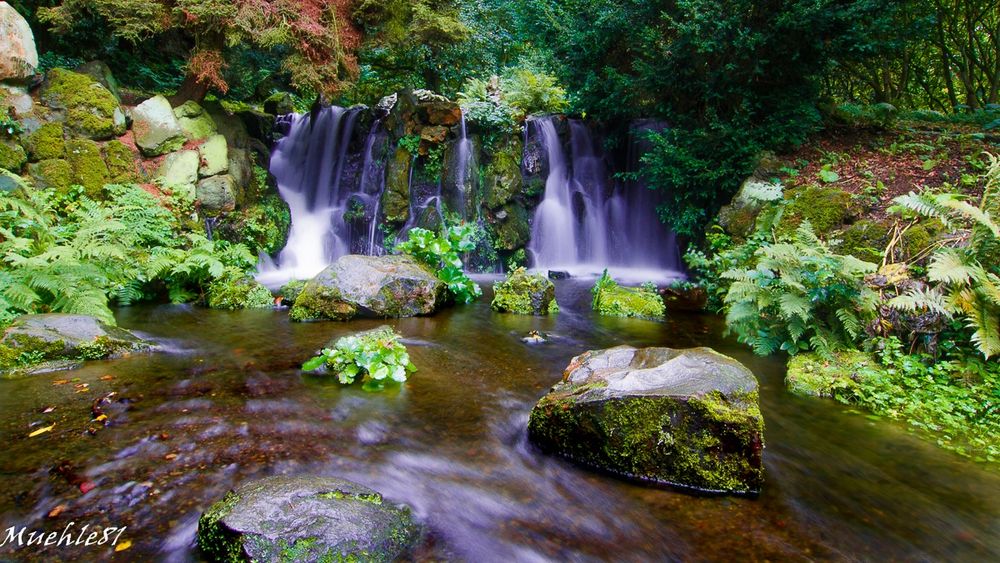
225	402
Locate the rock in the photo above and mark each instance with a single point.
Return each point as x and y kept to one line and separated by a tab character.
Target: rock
534	337
396	196
525	294
155	127
92	111
179	170
122	162
17	99
47	142
616	300
10	181
54	174
240	167
558	275
238	292
216	193
374	286
18	55
290	292
826	208
214	154
688	418
441	113
57	336
306	518
101	72
435	134
262	226
279	103
502	181
12	155
511	227
194	121
815	376
89	168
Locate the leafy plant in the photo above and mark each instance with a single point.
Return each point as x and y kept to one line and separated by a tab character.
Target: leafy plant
9	126
799	296
376	356
616	300
410	143
441	252
531	92
965	274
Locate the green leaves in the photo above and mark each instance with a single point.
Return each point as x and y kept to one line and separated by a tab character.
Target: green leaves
377	356
441	252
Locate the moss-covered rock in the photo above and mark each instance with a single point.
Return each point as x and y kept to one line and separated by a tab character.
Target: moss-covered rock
55	173
503	174
155	127
373	286
616	300
290	292
262	226
238	292
306	518
34	339
396	196
525	294
688	418
826	208
89	168
92	111
101	72
122	162
214	153
12	155
813	375
217	194
47	142
865	240
511	227
194	121
179	171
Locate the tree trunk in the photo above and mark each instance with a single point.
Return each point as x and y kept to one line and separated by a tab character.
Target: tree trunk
191	89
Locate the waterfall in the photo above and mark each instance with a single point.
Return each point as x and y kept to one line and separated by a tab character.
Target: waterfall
463	164
588	220
311	165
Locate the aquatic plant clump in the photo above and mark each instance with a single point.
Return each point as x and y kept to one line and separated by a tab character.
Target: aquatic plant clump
618	301
525	294
441	252
376	356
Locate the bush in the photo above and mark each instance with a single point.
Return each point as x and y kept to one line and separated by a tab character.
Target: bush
376	356
799	296
441	252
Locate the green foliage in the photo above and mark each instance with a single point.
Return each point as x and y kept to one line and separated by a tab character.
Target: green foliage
235	290
441	252
966	275
376	356
9	126
799	296
615	300
525	294
531	92
410	143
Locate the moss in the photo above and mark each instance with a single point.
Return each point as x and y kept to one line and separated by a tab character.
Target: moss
12	156
21	351
48	142
319	302
503	175
213	540
290	291
525	294
619	301
826	208
56	174
373	498
511	228
121	162
262	227
89	169
865	240
91	109
396	197
231	292
812	375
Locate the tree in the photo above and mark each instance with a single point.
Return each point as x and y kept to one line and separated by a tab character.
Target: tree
317	37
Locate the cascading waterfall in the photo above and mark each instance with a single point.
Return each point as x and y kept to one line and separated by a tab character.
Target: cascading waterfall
587	221
309	164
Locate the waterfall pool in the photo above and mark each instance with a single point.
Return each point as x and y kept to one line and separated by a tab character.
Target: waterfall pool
225	402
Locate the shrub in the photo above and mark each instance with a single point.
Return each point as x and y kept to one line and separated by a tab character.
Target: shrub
376	356
799	296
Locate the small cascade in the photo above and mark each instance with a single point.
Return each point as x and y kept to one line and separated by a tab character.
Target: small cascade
327	204
463	169
587	220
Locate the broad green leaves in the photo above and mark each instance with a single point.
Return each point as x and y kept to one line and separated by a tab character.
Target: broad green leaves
376	356
441	252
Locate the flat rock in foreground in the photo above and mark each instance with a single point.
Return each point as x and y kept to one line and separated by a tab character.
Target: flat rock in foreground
687	418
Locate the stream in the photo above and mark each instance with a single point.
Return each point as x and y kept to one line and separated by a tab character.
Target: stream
225	402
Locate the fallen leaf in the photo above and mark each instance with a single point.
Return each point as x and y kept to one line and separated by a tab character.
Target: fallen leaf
60	382
100	418
57	510
42	430
86	486
124	545
107	377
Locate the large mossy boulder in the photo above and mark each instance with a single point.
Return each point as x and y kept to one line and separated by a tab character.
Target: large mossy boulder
155	127
194	121
12	155
179	170
306	518
89	169
92	111
688	418
217	194
371	286
56	174
826	208
214	153
511	227
18	55
525	294
47	142
614	300
33	339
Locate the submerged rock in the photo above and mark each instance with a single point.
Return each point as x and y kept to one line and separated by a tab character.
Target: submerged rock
306	518
373	286
525	294
33	339
687	418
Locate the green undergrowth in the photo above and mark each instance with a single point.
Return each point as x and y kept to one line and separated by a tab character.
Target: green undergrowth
616	300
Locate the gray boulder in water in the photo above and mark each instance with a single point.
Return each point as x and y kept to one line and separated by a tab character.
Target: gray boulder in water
687	418
306	518
371	286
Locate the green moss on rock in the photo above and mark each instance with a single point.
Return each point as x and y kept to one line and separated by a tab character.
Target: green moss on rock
619	301
47	142
826	208
56	174
525	294
396	197
511	227
91	109
262	227
122	163
89	168
289	292
812	375
503	175
12	156
238	292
